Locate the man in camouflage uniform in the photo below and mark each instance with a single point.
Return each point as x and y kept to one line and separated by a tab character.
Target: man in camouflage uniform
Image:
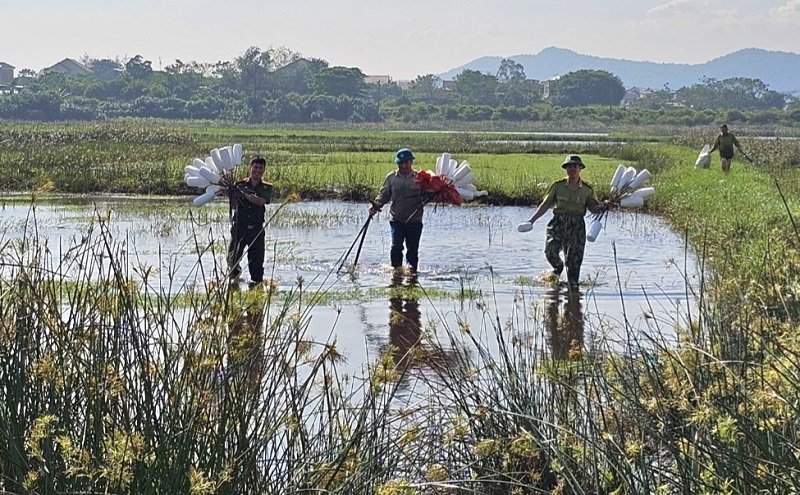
569	197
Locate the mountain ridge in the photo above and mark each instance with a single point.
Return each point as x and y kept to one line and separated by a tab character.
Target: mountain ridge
776	69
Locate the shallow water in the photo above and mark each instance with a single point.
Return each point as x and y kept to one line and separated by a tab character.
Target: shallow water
634	279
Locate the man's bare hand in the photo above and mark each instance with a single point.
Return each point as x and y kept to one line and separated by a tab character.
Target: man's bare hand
374	208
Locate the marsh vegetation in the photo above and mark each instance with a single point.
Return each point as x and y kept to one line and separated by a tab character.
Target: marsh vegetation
120	377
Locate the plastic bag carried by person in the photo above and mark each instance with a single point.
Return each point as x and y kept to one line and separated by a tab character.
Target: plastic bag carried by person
704	158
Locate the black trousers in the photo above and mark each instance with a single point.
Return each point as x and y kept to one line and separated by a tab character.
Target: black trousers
253	240
408	233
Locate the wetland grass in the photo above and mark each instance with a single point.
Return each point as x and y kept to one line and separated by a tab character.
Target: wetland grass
316	164
108	391
212	390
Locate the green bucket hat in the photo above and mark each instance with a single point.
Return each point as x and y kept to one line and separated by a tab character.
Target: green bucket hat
573	159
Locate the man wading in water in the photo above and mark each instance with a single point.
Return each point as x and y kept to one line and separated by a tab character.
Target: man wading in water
402	190
248	200
569	197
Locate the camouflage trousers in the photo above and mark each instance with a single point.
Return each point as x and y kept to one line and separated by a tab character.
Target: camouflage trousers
566	233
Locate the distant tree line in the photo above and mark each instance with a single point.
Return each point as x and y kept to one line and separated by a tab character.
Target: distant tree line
278	85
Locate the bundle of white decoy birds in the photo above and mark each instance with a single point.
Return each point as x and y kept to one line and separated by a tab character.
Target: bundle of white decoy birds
460	176
627	191
215	173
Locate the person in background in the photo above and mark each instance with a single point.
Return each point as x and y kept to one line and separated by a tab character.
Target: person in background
402	190
569	197
725	143
248	202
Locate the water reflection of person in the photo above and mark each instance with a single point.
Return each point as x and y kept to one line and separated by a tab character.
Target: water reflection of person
244	372
405	324
245	340
566	330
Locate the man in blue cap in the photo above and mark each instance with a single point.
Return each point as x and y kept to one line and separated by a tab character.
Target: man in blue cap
402	190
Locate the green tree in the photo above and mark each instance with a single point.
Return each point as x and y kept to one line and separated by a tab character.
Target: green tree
105	69
518	93
287	108
252	71
424	88
296	76
60	83
339	81
510	71
514	88
281	57
185	79
191	68
475	88
138	68
587	87
655	100
321	107
28	105
739	93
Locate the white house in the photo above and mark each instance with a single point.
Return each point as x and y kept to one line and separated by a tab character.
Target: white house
548	85
635	96
631	95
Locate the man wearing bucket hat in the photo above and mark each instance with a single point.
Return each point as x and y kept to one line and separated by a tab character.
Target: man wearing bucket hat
569	197
402	190
725	142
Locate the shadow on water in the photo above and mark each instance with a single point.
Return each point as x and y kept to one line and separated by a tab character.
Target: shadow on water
246	337
405	322
409	350
564	322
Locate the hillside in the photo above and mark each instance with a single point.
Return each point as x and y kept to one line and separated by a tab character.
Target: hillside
778	70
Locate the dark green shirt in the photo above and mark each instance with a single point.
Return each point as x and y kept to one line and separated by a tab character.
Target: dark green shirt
725	143
567	200
247	213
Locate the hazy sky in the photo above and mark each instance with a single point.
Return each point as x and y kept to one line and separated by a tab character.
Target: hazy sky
402	38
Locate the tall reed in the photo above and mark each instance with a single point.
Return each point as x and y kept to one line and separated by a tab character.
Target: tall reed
118	378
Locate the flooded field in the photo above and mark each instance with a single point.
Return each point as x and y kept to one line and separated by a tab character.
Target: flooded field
475	268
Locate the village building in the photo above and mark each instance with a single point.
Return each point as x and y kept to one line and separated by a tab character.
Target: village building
68	66
381	79
548	86
6	74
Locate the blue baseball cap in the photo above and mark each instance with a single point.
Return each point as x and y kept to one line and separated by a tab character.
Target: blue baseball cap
403	155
